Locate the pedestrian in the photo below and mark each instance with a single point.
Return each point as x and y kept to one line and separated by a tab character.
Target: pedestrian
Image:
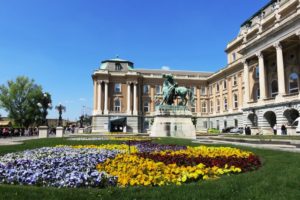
283	130
275	129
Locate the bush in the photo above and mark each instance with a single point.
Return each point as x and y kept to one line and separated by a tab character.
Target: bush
213	130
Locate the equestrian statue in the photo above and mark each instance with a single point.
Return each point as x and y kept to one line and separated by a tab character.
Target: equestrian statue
171	91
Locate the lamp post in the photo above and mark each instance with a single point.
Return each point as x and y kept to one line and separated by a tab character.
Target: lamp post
60	108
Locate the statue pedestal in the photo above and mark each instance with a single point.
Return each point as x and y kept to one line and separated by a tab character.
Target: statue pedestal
59	131
173	121
80	130
43	132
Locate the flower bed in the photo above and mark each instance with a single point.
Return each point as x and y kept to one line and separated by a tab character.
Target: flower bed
131	164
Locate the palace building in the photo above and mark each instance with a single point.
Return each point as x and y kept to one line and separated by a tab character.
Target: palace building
259	86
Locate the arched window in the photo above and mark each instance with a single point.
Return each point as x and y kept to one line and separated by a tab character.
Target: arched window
235	101
117	105
274	88
225	104
118	67
293	83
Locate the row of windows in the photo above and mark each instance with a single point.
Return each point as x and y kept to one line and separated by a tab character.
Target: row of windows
146	106
224	83
158	89
293	86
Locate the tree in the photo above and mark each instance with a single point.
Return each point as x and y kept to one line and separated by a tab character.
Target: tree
20	99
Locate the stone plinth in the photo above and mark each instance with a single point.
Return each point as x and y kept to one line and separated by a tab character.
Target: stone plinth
80	130
43	132
59	131
173	121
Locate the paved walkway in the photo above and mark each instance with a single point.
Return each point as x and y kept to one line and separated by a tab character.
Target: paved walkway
273	144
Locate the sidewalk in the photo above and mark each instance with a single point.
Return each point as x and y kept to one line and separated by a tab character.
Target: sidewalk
273	144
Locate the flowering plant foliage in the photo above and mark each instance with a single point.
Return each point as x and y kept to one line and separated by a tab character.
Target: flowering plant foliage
130	164
57	167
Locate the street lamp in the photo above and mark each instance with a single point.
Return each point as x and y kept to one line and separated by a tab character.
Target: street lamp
60	108
44	105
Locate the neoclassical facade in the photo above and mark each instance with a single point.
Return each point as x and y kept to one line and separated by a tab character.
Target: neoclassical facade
259	87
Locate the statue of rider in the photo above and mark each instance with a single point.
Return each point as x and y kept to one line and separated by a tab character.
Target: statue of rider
169	86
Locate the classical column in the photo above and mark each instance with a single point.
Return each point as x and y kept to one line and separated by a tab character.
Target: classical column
280	70
134	99
262	77
105	97
246	82
99	96
95	97
128	99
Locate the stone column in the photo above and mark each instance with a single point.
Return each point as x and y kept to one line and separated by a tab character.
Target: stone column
134	99
129	112
95	97
262	77
246	82
280	70
99	97
105	98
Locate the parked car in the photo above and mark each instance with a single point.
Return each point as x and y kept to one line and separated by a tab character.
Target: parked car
297	124
237	130
227	129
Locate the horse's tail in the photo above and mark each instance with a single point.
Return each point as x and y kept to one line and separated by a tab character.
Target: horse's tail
191	96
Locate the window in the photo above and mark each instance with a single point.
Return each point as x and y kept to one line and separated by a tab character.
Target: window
204	124
233	57
236	123
225	104
203	91
117	105
234	80
193	88
146	89
204	107
158	89
211	106
211	90
146	106
293	83
117	87
225	84
257	93
218	105
218	87
274	88
257	72
235	101
146	124
193	107
118	67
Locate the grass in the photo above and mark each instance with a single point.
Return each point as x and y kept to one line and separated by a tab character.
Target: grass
278	178
266	137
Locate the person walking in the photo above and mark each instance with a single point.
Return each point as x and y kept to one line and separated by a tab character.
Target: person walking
275	129
283	130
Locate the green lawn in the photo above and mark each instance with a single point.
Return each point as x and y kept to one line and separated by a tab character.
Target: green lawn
278	178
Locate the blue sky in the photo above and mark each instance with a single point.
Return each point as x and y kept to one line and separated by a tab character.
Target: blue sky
59	43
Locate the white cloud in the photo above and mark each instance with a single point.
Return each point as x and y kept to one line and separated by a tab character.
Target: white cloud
165	67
